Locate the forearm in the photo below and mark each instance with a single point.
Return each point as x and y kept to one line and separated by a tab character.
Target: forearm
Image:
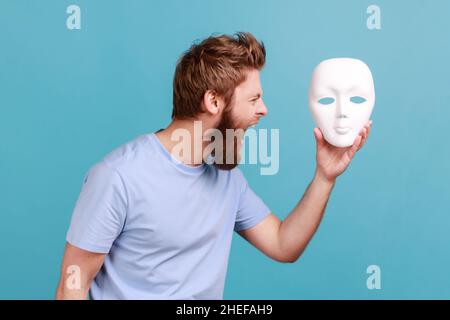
298	228
64	293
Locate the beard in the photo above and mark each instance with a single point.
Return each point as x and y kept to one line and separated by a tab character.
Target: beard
229	156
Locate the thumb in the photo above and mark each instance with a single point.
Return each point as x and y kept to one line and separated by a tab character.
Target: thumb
318	135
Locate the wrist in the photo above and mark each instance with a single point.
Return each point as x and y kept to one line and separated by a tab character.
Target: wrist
323	179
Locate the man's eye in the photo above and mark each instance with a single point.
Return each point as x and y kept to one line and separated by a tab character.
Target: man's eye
357	99
326	100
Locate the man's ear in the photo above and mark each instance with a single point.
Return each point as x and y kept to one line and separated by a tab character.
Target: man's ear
212	102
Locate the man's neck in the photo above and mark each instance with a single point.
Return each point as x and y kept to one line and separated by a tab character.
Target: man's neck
173	138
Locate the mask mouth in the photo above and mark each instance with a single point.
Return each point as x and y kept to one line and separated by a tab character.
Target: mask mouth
342	130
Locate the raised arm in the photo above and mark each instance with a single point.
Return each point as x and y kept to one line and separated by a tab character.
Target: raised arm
286	240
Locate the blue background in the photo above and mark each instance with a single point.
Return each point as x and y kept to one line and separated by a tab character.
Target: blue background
68	97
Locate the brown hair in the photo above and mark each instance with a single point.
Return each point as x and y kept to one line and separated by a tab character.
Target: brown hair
218	63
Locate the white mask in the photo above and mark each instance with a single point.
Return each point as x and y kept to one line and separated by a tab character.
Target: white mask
341	99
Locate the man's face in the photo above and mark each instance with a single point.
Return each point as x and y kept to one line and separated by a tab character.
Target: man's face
245	110
341	99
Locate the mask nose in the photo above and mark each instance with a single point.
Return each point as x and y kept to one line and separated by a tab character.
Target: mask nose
342	111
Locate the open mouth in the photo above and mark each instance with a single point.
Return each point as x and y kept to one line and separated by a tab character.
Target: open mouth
342	130
253	125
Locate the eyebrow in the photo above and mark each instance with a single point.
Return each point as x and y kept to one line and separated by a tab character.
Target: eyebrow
255	96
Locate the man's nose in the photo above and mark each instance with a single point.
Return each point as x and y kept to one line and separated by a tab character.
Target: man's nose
262	109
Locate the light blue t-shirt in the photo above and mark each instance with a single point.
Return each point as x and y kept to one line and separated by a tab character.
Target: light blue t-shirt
167	227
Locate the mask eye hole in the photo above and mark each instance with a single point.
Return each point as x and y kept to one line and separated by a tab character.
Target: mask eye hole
357	99
326	100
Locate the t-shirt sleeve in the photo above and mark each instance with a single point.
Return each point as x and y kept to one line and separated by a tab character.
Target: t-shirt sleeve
252	210
100	211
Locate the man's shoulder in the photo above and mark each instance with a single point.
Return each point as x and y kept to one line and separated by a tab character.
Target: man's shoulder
129	154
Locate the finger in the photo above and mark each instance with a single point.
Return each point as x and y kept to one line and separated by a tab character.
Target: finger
365	131
318	135
367	125
366	136
356	144
363	136
351	152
